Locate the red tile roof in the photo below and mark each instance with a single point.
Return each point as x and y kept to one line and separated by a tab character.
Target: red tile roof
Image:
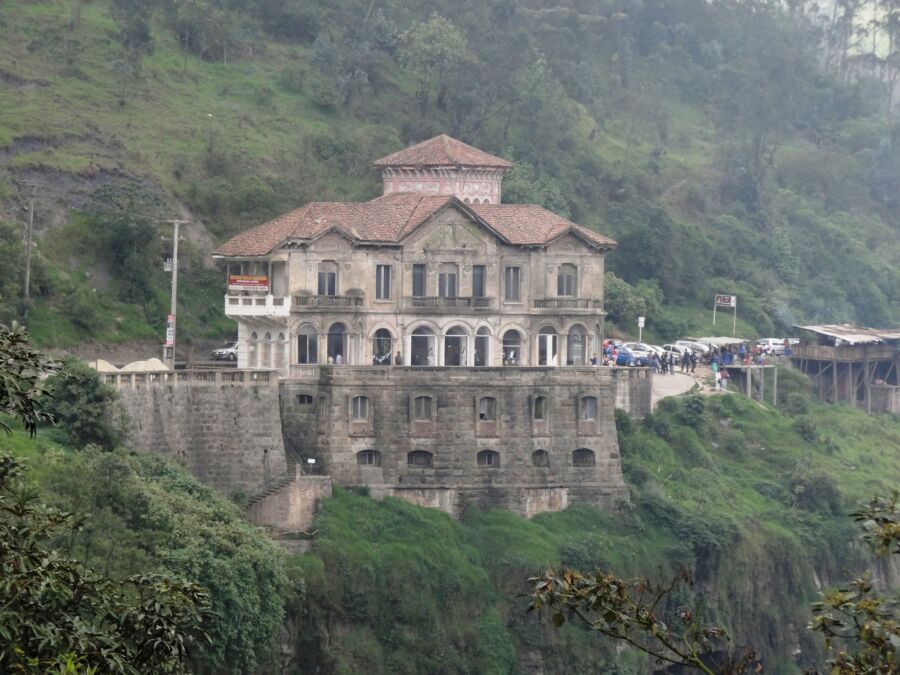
442	151
389	219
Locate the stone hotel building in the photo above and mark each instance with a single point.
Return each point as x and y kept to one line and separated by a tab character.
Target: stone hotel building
434	343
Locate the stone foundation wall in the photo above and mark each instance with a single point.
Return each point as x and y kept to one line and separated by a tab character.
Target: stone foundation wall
885	398
228	436
318	423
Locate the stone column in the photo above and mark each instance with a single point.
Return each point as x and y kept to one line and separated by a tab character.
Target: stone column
407	349
562	350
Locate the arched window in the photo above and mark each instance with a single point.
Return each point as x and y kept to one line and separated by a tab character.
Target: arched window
488	458
307	344
382	347
566	280
576	346
422	409
328	278
337	343
540	458
587	409
359	408
583	457
422	345
487	409
540	408
547	346
267	351
455	344
279	352
482	347
368	458
420	458
253	349
512	348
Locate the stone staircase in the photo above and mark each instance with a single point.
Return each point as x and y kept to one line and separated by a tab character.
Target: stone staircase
272	486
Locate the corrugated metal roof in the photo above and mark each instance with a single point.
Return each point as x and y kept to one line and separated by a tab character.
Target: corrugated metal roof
854	335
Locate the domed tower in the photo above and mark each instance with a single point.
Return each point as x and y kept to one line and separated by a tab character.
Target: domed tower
444	166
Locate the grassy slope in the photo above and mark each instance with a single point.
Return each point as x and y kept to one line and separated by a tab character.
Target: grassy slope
183	108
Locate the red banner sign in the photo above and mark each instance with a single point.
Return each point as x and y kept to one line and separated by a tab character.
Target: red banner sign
248	282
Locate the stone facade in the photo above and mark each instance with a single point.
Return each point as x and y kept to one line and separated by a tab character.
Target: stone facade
227	435
525	439
435	344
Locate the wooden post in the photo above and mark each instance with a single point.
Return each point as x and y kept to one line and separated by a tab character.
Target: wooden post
749	390
762	384
834	389
821	382
851	380
867	379
775	388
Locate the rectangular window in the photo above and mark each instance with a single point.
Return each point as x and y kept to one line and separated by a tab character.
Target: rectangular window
422	408
478	281
512	279
540	404
589	408
418	281
383	282
304	399
565	280
447	281
328	279
359	409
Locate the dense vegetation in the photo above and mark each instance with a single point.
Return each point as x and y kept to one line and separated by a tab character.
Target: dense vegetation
729	146
752	500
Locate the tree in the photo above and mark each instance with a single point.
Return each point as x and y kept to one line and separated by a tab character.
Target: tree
22	369
862	627
55	614
83	406
434	52
633	611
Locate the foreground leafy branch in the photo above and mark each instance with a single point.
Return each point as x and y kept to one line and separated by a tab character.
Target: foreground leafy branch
22	370
861	626
632	611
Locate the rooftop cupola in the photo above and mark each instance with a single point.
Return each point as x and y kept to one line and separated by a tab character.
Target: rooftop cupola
444	166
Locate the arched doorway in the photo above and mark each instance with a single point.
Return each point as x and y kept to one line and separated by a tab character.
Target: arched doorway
455	346
337	343
382	347
547	346
307	345
279	352
512	348
252	345
483	347
422	343
577	346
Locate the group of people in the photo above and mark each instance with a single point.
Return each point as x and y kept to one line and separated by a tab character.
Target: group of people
744	355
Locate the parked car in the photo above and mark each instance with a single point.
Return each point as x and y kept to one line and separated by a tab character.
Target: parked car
639	348
775	345
626	357
676	350
693	345
226	353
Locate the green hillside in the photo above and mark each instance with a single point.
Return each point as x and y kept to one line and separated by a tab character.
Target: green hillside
706	137
753	500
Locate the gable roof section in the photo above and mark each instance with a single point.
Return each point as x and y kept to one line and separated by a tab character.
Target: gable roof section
442	150
391	218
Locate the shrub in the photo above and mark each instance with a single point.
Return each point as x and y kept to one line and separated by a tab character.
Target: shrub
292	78
807	428
817	493
797	404
83	407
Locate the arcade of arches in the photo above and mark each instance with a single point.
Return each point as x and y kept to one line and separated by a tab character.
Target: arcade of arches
426	345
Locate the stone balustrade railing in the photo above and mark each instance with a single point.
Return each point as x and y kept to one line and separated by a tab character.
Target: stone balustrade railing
224	376
490	373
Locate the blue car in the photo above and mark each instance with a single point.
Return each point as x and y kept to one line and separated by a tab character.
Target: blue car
626	357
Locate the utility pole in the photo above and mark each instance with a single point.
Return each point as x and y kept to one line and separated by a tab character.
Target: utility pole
169	348
26	295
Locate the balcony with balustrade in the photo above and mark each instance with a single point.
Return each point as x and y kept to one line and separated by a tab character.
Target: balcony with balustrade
455	304
303	303
256	305
568	304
